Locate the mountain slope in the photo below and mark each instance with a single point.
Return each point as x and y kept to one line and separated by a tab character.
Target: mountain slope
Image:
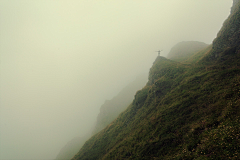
186	111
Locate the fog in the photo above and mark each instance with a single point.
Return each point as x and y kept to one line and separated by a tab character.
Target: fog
61	59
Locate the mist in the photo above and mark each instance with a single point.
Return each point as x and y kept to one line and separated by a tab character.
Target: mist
60	60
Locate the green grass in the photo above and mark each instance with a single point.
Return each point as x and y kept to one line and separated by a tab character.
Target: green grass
176	115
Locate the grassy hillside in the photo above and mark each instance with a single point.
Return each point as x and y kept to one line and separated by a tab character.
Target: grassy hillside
186	111
179	115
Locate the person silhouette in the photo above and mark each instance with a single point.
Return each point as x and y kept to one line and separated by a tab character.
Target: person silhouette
159	52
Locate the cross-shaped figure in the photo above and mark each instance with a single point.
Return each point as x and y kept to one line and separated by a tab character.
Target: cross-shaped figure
159	52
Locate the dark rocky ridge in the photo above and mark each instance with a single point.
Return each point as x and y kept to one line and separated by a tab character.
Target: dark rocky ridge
229	35
234	7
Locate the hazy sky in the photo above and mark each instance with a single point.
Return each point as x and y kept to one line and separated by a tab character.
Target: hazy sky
61	59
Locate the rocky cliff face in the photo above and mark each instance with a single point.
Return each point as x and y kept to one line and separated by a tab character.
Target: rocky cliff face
229	35
234	7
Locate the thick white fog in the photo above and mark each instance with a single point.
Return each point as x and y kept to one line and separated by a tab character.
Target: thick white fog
61	59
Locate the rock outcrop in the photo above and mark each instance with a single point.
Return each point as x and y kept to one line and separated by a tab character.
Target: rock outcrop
229	35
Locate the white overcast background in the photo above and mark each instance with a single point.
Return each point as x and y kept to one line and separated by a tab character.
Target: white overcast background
61	59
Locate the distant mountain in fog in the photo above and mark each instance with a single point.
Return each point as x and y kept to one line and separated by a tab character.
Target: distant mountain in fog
183	50
108	112
112	108
71	148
